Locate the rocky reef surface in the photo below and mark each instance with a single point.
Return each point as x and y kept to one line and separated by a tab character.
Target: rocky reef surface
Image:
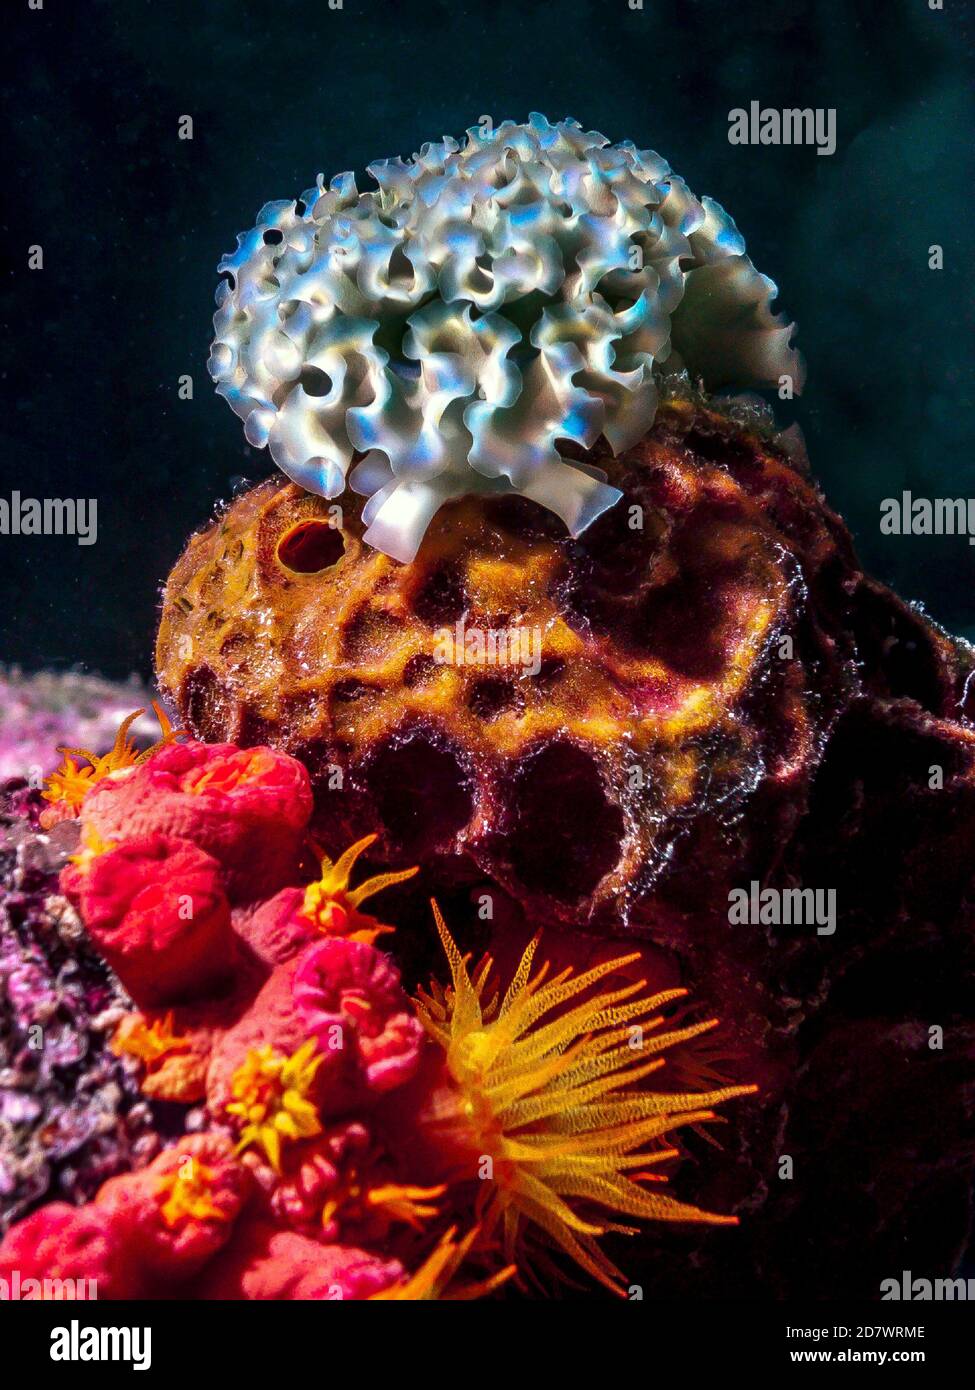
71	1113
42	709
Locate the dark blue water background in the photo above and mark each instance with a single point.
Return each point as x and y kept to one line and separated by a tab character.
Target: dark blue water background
132	221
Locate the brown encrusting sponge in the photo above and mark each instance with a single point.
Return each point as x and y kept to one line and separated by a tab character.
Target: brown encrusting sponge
649	683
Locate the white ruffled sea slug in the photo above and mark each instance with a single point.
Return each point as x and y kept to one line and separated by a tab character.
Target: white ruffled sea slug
447	333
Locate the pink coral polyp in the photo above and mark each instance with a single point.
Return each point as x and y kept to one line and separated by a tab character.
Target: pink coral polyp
60	1246
156	909
275	931
263	1263
348	997
247	807
341	983
177	1213
315	1177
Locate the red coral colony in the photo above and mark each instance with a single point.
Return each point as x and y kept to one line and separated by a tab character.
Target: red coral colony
336	1128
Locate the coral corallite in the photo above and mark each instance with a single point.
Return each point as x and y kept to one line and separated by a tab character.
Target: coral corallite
68	785
351	986
272	1098
345	999
332	907
540	1095
157	911
248	808
177	1213
173	1049
280	927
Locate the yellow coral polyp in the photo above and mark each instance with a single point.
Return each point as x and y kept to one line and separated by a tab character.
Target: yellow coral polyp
230	774
403	1202
72	781
188	1195
333	908
92	845
271	1099
434	1277
135	1037
556	1105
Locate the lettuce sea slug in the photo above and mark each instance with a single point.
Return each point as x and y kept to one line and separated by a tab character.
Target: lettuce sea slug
486	309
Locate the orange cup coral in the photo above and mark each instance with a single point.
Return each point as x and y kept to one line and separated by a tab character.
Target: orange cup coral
177	1213
156	909
540	1098
346	999
67	787
272	1098
248	808
329	906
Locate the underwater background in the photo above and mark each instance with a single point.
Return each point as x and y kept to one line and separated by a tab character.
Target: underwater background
133	220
